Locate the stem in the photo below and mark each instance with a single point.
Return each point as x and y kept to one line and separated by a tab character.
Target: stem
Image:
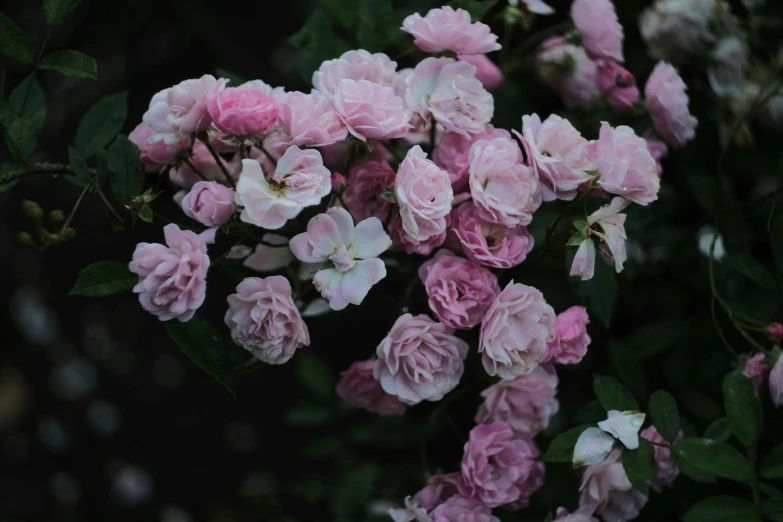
194	169
219	161
108	204
433	134
549	233
36	169
73	210
754	488
267	154
536	38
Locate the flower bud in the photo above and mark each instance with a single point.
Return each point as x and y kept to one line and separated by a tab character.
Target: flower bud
32	210
25	239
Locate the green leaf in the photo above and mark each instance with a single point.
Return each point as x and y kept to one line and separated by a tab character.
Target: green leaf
770	490
561	449
713	457
722	509
752	269
13	42
104	278
629	370
58	10
599	294
204	345
353	489
612	395
720	430
83	176
101	123
307	414
28	103
315	43
639	465
743	407
7	168
773	509
477	8
772	467
126	174
315	375
234	79
664	413
374	16
654	338
71	63
344	11
102	166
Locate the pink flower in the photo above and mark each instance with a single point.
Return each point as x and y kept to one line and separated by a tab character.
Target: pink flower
339	183
354	65
757	369
268	258
504	189
499	468
424	195
775	381
667	103
626	167
658	150
439	488
209	203
264	320
602	34
155	153
461	509
560	155
562	515
449	91
300	180
608	225
242	112
489	74
173	277
453	151
583	265
526	402
371	110
775	331
607	491
184	176
571	338
487	243
534	6
409	244
367	181
308	120
181	110
667	469
419	360
618	86
567	69
459	291
350	251
515	332
446	29
358	388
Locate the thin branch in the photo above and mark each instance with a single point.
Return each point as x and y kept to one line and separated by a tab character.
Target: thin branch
219	161
37	169
76	205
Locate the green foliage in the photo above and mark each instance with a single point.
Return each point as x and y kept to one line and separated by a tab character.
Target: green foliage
234	80
478	9
664	413
722	509
82	176
612	395
13	42
598	294
27	114
374	28
315	375
126	173
71	63
639	465
772	466
315	43
720	430
101	123
103	279
713	458
561	449
58	10
743	407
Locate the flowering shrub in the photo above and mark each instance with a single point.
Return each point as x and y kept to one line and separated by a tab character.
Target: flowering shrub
432	185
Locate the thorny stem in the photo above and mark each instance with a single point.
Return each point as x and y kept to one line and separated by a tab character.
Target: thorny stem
36	169
220	164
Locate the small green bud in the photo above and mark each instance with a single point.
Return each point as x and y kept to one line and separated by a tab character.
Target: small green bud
56	216
69	234
32	210
24	238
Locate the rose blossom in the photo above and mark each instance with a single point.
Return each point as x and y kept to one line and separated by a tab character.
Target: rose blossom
182	109
183	175
608	225
354	65
489	74
439	488
424	195
667	469
562	515
461	509
499	468
775	331
367	181
757	369
571	338
264	320
242	112
618	86
658	150
679	30
419	360
358	388
567	69
300	180
308	120
459	291
607	491
371	110
515	332
626	167
267	258
173	277
452	153
487	243
409	244
602	34
775	381
155	153
209	203
447	29
504	189
526	402
667	103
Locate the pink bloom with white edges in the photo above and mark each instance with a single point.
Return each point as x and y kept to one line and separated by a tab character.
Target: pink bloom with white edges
618	86
775	382
452	153
583	265
667	102
367	181
209	203
354	65
155	153
270	257
567	69
409	244
562	515
308	120
488	243
277	93
607	491
667	469
487	72
242	112
462	509
447	29
358	388
658	150
602	34
350	251
173	277
757	369
571	338
439	488
371	110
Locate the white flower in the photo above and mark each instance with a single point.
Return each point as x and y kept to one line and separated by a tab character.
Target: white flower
608	225
625	426
592	447
706	235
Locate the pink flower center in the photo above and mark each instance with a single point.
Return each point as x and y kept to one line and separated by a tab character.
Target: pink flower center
342	259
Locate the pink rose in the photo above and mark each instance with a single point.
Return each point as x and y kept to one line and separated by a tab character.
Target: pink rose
487	243
499	468
526	402
602	34
583	265
339	183
206	168
567	69
264	320
350	251
562	515
658	150
182	110
155	153
607	491
439	488
300	180
618	86
268	258
667	469
571	338
461	509
308	120
336	155
453	150
775	381
446	29
459	291
775	331
515	332
449	91
667	103
209	203
354	65
358	388
371	110
173	277
424	195
409	244
367	181
242	112
756	368
489	74
560	155
419	360
626	167
276	93
504	189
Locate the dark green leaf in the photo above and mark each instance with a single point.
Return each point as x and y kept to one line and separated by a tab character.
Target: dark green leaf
612	395
701	405
234	80
71	63
13	42
599	294
83	176
7	168
104	278
477	8
703	188
722	509
125	170
743	407
307	414
374	16
639	465
772	467
561	449
773	509
315	375
654	338
204	345
752	269
719	430
58	10
713	457
322	447
664	414
344	11
354	489
101	123
770	490
315	43
629	370
102	166
28	103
